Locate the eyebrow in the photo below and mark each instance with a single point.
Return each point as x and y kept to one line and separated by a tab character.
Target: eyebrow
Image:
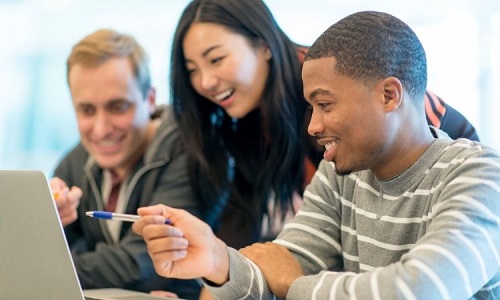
108	102
206	52
318	92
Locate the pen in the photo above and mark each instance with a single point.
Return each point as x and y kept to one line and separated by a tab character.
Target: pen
115	216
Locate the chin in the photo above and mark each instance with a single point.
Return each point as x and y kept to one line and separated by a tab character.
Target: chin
107	162
343	172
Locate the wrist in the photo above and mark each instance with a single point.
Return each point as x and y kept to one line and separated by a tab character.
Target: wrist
220	275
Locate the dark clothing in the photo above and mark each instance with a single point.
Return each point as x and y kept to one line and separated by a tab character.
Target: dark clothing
159	177
441	115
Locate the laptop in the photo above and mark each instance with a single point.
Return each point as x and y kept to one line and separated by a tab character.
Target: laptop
35	261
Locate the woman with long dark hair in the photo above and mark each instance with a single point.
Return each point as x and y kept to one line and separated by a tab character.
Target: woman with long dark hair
237	95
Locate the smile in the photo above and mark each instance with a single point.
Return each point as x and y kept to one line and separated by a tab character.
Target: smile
224	95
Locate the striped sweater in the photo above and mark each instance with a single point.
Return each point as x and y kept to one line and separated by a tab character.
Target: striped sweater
432	232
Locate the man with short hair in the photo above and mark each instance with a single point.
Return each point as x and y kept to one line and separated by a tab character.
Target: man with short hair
395	210
129	155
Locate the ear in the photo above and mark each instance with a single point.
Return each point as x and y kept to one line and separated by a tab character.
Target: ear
267	53
393	93
151	98
263	49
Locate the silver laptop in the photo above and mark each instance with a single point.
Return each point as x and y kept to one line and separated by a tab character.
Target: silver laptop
35	261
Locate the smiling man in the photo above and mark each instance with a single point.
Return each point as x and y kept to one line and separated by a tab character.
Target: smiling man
396	209
129	156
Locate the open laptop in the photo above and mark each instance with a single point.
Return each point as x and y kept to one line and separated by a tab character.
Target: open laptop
35	261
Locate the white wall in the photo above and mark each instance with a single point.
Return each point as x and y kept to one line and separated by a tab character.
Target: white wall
37	123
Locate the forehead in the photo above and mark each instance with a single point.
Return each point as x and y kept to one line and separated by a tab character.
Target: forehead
111	79
202	35
318	74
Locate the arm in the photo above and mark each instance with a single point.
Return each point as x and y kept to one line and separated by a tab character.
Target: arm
457	257
189	249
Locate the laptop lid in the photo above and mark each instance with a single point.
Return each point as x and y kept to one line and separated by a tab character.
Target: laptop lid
35	262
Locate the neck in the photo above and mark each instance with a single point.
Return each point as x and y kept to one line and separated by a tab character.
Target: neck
407	147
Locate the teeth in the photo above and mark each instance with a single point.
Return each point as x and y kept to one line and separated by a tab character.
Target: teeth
223	95
108	143
330	145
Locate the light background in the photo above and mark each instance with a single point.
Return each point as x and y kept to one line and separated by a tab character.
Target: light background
37	122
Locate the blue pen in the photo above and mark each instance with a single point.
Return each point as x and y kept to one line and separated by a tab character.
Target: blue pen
115	216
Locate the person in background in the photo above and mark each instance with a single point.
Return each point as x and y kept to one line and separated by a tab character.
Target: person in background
129	156
237	96
397	209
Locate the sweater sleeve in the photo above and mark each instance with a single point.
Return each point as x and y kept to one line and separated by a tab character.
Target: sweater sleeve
246	281
458	256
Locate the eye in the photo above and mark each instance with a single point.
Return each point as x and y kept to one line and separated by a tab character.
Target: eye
190	71
217	59
118	107
323	105
86	110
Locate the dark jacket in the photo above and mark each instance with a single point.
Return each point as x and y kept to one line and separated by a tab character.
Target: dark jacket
159	177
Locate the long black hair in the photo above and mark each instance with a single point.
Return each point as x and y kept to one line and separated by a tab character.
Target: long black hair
240	164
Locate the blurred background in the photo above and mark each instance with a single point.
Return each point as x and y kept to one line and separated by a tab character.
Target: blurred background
37	122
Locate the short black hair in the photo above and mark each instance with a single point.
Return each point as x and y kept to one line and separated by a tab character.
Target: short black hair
372	45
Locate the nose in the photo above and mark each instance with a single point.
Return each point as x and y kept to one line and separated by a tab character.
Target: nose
315	124
208	80
102	125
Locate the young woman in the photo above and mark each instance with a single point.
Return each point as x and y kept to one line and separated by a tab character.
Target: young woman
237	95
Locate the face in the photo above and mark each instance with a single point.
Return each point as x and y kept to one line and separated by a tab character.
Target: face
112	114
225	68
348	117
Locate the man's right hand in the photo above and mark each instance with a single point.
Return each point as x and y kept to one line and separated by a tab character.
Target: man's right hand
187	249
67	200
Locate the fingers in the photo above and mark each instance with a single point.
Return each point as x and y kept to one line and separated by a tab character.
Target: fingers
66	199
139	225
158	210
57	184
153	231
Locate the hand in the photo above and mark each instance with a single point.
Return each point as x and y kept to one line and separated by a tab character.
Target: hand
187	249
279	267
67	200
164	294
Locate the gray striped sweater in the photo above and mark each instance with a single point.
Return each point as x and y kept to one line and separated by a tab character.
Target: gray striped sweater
433	232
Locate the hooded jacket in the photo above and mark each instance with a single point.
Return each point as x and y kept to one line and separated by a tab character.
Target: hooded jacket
160	176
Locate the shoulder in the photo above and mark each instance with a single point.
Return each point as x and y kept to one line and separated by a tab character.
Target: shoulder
464	148
167	139
78	155
465	161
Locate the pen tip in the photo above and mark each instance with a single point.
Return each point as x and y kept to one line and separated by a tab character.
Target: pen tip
89	213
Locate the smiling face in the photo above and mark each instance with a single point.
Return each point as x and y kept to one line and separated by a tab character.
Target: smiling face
348	117
225	68
112	114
